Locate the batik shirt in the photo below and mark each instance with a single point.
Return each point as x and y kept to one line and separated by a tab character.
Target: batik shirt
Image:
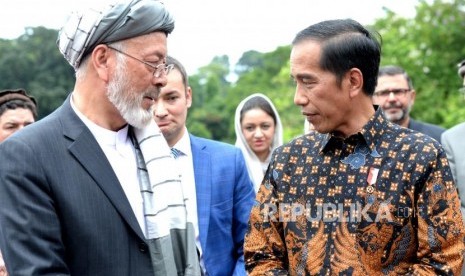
380	202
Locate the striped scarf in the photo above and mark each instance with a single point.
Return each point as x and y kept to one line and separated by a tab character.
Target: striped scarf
170	235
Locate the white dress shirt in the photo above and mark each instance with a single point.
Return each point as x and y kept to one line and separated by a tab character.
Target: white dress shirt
185	165
120	152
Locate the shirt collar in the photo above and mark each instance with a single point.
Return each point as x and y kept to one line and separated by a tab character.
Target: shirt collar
184	144
370	134
102	135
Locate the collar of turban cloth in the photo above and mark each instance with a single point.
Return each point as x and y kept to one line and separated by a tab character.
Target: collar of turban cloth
110	23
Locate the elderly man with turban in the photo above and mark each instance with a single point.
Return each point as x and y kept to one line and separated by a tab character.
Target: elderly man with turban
91	189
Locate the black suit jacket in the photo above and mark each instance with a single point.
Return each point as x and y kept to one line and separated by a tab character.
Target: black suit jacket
62	209
431	130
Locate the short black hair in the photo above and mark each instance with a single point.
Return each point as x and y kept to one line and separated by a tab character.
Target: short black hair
346	44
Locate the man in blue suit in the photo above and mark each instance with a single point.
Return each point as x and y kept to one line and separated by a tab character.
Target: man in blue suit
214	173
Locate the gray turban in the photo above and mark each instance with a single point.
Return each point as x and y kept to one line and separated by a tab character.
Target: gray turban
110	23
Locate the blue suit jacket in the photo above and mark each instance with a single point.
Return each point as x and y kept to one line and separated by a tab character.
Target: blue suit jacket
225	196
62	208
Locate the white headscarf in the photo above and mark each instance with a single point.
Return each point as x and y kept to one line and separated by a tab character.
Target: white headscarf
254	165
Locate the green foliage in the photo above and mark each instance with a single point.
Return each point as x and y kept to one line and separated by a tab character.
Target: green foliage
215	99
209	87
428	46
33	62
267	73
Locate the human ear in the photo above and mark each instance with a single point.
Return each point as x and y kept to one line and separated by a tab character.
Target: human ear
189	96
100	60
355	79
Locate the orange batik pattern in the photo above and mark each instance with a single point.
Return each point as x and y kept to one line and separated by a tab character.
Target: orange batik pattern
380	202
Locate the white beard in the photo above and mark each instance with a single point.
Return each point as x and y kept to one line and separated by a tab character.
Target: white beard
127	100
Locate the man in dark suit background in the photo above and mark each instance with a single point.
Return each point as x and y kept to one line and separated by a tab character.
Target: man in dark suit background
395	95
454	144
214	173
76	197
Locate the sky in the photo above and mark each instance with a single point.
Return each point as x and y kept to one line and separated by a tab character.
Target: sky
208	28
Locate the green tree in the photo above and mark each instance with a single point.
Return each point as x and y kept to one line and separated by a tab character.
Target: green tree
33	62
267	73
206	116
428	47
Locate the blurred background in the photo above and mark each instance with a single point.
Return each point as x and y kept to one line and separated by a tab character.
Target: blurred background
232	49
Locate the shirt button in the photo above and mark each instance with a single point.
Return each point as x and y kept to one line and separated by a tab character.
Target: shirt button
143	247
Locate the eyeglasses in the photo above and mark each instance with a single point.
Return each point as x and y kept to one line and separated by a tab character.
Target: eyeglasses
161	69
397	92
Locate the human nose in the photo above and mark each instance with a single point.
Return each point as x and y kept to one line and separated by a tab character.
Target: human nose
160	81
160	109
258	132
299	97
161	72
391	97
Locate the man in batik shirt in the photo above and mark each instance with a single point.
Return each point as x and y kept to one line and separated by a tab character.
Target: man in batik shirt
359	195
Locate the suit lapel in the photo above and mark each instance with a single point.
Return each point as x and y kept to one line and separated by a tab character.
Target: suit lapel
203	186
86	150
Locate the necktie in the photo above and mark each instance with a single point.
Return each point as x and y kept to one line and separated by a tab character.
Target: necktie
176	153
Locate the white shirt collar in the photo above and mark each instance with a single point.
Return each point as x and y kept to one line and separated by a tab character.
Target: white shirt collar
118	140
184	144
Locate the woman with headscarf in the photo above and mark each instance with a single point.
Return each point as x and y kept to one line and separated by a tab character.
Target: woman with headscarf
258	132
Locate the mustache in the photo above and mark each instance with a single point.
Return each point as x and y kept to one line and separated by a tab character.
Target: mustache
393	105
